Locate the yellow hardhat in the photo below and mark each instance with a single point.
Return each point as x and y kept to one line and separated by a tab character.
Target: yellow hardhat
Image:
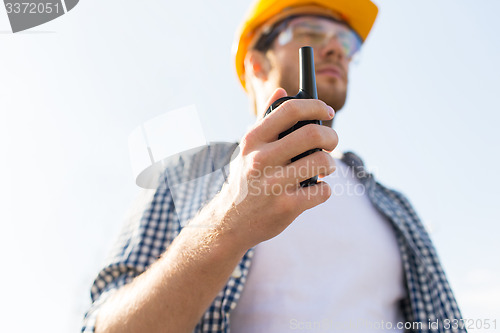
359	14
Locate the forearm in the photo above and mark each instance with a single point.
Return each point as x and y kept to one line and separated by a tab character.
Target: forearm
172	295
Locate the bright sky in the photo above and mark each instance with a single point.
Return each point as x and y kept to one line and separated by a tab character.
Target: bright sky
422	112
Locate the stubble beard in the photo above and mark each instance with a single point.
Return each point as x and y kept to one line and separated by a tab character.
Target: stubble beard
333	96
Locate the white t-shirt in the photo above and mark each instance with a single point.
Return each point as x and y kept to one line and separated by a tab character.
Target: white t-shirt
337	267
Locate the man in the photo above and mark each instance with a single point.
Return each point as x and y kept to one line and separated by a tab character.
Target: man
255	251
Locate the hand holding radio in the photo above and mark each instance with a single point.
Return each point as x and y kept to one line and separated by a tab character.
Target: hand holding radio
307	91
266	188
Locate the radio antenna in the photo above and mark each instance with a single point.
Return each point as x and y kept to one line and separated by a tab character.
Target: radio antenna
307	74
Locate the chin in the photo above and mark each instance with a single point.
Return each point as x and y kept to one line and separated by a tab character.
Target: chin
333	94
335	99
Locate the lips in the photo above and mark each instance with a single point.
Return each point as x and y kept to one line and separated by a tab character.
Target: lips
332	71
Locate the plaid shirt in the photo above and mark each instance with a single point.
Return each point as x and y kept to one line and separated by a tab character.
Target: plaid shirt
191	180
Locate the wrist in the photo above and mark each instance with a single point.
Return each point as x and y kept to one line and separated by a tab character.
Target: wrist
215	228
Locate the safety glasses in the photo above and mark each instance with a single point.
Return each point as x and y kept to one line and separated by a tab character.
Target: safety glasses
318	32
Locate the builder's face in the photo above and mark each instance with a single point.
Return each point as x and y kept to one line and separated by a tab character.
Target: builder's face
331	57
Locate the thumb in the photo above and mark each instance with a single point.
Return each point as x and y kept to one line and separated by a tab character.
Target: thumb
277	94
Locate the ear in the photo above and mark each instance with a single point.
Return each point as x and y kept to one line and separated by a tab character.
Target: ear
257	64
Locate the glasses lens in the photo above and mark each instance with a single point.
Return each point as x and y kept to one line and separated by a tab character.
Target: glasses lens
317	32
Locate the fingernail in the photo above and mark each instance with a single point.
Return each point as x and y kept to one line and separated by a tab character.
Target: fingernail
331	112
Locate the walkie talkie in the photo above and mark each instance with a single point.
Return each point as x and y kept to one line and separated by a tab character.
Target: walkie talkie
307	91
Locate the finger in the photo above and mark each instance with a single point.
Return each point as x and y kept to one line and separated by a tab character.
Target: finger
310	196
307	137
289	113
309	166
277	94
254	137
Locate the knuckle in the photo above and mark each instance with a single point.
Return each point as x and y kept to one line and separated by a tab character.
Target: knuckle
322	163
245	145
325	192
290	108
313	132
324	159
257	160
286	205
248	142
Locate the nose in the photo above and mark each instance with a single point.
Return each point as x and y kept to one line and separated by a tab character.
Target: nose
332	47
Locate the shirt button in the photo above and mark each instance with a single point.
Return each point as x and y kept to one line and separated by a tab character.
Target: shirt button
237	272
